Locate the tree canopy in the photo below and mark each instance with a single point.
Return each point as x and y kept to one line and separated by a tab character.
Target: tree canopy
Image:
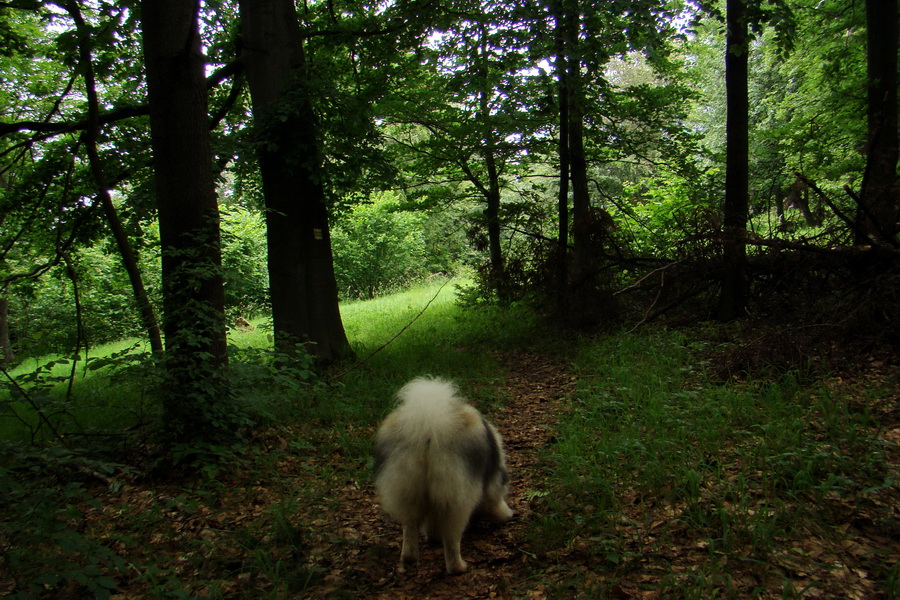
565	150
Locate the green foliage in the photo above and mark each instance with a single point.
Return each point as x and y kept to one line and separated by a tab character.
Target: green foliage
244	262
42	309
380	248
668	215
49	402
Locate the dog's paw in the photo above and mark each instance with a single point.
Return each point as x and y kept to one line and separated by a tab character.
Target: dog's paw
457	568
407	564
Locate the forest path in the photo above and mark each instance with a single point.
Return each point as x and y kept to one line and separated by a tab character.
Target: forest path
535	387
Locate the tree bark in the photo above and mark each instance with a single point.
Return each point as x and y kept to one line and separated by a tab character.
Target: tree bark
733	294
301	269
489	153
7	355
583	252
878	214
193	295
562	240
91	132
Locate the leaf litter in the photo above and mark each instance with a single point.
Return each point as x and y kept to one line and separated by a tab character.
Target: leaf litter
285	532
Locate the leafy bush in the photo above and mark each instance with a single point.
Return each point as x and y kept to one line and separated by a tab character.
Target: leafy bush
379	248
244	262
668	215
42	311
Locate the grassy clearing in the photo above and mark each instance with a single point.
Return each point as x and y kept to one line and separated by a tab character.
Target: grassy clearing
81	398
668	483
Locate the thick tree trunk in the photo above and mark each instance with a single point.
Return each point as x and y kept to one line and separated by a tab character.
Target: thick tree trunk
301	269
733	294
878	216
193	296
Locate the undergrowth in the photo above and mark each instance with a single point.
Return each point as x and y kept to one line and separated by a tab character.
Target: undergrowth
92	500
653	455
704	487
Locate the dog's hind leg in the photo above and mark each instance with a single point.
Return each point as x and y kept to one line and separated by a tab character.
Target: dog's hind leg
409	554
452	529
452	556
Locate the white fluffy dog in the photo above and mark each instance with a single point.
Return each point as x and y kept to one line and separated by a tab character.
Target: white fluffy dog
437	461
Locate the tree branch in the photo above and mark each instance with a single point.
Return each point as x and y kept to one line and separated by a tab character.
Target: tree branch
112	116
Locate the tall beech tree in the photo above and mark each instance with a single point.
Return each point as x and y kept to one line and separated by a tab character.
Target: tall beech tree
193	295
598	123
584	254
466	122
301	269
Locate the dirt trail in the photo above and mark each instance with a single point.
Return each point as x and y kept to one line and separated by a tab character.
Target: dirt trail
535	387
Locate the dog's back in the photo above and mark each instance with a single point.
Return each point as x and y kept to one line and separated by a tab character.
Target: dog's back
436	461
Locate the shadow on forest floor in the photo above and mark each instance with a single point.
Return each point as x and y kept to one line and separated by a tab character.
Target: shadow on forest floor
301	521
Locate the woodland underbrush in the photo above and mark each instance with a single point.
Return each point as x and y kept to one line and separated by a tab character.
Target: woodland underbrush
675	470
668	480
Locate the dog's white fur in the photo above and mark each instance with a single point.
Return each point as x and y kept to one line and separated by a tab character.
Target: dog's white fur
437	461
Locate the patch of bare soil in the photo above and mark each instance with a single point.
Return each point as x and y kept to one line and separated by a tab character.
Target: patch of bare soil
496	554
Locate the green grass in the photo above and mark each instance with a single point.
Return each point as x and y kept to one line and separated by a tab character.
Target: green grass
653	455
446	339
659	478
311	418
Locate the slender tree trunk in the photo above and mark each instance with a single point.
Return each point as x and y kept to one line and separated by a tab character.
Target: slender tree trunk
193	295
562	243
583	253
301	269
879	212
733	294
492	193
148	315
492	214
7	353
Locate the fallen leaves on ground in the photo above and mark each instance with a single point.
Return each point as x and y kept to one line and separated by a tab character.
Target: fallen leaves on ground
339	540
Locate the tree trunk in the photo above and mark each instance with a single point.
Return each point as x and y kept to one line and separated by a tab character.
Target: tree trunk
301	269
562	240
148	316
492	192
878	216
193	296
7	355
733	294
583	253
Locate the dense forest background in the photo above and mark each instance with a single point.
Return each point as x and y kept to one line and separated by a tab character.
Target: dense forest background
570	154
176	172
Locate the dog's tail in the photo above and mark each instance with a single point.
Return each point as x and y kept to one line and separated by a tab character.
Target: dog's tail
419	463
427	407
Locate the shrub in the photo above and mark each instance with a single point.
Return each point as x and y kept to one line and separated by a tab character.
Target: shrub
378	248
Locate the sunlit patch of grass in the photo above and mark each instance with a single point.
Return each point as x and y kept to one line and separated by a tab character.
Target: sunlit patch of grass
423	331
